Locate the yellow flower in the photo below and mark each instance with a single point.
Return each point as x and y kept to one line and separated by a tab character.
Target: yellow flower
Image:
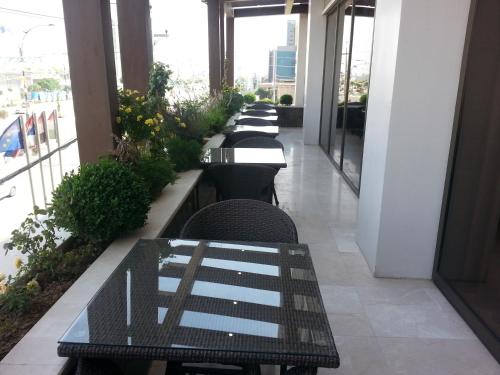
142	98
33	285
18	262
177	119
149	121
183	125
118	119
135	92
140	117
128	110
159	116
2	277
157	129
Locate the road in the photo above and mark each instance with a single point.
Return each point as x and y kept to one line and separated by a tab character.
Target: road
14	210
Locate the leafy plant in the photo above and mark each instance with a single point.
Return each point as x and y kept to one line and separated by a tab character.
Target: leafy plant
263	93
101	201
249	98
232	100
266	101
363	99
156	173
185	154
286	99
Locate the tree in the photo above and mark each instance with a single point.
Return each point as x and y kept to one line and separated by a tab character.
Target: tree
47	84
263	93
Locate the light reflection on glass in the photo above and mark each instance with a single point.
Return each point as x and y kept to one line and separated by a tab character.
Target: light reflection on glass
236	293
168	284
222	323
302	274
177	243
233	246
262	269
306	303
173	259
162	313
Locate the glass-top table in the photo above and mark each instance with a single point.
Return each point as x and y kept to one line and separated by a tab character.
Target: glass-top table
273	157
272	130
207	301
271	117
248	111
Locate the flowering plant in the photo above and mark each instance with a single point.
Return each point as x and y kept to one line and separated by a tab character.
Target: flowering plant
137	118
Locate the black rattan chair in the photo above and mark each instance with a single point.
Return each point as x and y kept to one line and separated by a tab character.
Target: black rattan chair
254	121
241	220
235	137
262	142
259	142
243	181
257	113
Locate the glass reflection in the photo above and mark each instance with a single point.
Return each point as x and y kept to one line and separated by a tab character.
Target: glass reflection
302	274
232	325
358	93
233	265
306	303
343	54
168	284
233	246
244	156
236	293
162	314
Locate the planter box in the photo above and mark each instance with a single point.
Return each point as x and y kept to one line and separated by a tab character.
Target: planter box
290	117
36	353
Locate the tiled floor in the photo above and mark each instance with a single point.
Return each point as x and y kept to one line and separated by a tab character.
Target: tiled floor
381	326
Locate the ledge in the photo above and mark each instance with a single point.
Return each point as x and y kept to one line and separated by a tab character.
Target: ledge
36	353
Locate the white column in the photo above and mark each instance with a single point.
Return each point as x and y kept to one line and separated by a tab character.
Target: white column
300	79
417	55
314	72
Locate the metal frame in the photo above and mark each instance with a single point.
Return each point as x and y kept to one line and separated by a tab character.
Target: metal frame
468	314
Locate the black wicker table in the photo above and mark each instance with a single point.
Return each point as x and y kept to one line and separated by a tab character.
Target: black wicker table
273	157
271	130
189	302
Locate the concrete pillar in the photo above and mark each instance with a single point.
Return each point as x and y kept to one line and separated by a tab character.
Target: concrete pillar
230	51
314	72
93	77
136	45
222	43
214	65
300	79
411	107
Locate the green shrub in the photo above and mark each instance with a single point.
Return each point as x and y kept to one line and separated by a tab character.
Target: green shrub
264	93
266	101
249	98
215	118
232	100
185	154
101	201
156	173
363	99
286	99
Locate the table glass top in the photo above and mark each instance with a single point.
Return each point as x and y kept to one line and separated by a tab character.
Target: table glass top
209	295
267	156
246	128
248	111
271	117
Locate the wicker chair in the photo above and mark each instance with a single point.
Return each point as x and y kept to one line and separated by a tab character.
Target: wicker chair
243	181
257	113
241	220
235	137
258	105
254	121
259	142
262	142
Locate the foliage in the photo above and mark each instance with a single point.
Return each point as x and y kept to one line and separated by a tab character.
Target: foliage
363	99
101	201
264	93
185	154
156	173
266	101
45	84
249	98
188	118
232	100
286	99
159	84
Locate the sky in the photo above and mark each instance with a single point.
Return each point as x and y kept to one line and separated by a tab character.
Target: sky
185	49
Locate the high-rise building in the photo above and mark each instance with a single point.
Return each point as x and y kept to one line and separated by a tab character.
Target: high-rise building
283	60
290	33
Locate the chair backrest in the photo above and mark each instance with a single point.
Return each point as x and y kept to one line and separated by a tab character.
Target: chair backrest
255	121
243	181
259	142
241	220
258	105
257	113
235	137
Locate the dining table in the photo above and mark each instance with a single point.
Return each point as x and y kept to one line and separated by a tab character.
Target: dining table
272	157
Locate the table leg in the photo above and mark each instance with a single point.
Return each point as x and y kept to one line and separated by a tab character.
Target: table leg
88	366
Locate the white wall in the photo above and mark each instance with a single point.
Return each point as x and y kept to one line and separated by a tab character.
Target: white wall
314	71
301	60
416	64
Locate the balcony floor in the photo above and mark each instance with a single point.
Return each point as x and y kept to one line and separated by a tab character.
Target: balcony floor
381	326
